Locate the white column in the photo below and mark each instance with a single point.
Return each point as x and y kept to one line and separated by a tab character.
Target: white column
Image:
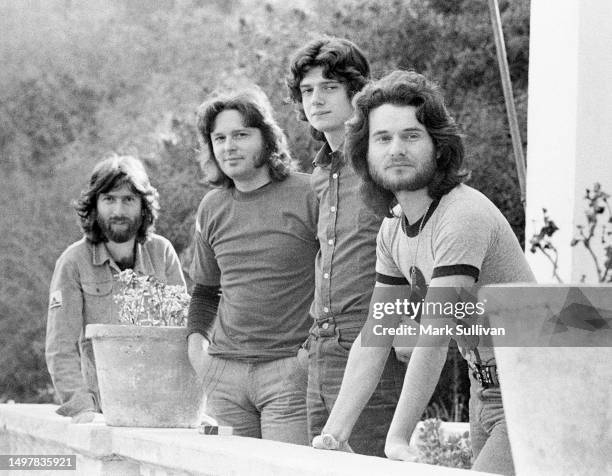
569	123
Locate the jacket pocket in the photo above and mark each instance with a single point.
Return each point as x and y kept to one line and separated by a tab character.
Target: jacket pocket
98	289
98	304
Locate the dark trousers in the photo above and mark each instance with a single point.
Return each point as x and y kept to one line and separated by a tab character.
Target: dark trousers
328	349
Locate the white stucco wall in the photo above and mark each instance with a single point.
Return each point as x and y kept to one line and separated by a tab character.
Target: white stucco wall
100	450
594	114
569	122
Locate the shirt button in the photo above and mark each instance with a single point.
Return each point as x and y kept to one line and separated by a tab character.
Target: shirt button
326	275
330	242
335	176
326	309
325	325
332	209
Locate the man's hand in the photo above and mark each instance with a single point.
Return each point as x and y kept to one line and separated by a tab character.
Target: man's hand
403	353
84	417
197	350
399	449
325	441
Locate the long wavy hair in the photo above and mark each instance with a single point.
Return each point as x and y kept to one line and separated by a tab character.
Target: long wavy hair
108	175
340	59
406	88
256	111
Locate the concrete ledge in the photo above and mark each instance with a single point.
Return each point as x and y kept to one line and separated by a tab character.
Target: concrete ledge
103	450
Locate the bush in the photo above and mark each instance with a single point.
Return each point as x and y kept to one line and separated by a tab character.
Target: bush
453	451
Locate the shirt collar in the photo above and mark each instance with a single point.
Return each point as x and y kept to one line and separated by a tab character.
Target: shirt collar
100	254
413	229
326	157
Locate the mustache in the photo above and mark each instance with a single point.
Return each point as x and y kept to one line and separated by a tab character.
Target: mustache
120	220
394	162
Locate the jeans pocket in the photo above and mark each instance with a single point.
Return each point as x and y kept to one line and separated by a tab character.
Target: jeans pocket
212	369
302	358
492	414
306	344
293	371
345	337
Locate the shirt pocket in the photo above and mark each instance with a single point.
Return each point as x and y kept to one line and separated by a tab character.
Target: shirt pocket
98	304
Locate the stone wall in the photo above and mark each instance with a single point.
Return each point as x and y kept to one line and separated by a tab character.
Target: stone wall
113	451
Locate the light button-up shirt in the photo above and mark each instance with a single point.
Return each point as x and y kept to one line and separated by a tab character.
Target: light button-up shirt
347	229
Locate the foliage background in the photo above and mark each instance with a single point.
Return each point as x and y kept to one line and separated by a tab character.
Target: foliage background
80	80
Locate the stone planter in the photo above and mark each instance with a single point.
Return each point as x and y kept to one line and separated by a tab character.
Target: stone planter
144	376
557	396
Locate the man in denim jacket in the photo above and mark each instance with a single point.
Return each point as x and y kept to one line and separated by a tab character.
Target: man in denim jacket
117	213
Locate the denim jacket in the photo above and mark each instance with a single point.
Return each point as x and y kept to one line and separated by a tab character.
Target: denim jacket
81	293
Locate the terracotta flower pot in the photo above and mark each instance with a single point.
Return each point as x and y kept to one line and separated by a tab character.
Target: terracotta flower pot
144	376
557	396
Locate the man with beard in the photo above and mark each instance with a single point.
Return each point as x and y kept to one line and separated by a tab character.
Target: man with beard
117	214
407	150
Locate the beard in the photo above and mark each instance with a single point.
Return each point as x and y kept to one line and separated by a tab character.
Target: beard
420	178
119	229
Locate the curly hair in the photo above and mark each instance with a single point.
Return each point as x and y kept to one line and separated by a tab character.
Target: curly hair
406	88
340	59
107	175
256	111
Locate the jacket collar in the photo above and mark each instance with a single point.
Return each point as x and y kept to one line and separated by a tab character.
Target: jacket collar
101	256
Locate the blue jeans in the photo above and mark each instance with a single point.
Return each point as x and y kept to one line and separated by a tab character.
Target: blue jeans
260	400
488	431
328	349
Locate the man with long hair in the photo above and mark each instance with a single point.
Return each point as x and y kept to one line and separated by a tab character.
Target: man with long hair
324	75
406	147
117	214
255	241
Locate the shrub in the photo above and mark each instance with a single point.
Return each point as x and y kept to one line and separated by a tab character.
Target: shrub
452	451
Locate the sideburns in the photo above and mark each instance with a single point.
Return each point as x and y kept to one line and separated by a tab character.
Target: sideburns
264	158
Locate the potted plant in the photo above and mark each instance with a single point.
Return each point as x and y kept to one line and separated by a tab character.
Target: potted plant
144	375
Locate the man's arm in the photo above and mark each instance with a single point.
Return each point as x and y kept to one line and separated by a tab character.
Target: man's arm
201	314
205	297
173	269
422	374
363	370
64	326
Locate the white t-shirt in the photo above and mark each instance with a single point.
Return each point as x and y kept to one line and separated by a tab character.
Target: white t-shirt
463	234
